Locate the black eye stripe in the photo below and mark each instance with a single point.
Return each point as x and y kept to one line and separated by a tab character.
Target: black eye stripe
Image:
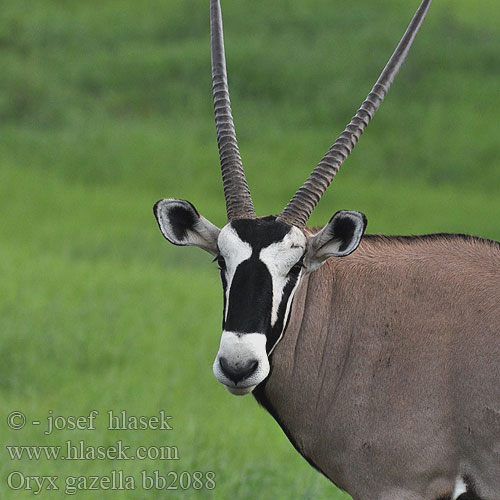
224	287
220	261
275	333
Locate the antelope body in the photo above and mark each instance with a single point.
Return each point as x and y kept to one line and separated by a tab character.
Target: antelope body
388	376
378	356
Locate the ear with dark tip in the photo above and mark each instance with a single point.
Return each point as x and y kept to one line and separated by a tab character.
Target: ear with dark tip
340	237
181	224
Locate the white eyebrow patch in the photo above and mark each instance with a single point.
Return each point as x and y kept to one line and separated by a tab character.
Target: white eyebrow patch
279	257
235	251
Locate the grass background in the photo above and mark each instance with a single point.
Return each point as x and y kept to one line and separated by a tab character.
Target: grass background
105	107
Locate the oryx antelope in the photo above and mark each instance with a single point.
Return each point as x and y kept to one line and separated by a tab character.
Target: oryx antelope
378	356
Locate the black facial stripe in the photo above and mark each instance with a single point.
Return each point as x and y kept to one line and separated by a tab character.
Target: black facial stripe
250	298
224	287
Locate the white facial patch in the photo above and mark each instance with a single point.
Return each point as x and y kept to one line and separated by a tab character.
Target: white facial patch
242	349
279	257
235	251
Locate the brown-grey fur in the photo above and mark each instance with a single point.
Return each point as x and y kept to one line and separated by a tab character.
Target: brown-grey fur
388	376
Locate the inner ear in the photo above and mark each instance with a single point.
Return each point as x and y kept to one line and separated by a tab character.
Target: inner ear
340	237
182	219
342	229
181	224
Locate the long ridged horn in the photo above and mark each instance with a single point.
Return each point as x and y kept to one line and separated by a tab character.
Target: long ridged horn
300	207
238	201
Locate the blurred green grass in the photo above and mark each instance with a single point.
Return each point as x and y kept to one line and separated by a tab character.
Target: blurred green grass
105	107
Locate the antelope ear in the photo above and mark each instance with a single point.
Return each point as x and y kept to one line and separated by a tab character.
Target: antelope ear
181	224
340	237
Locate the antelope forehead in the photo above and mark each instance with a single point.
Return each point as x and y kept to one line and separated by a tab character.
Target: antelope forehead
285	249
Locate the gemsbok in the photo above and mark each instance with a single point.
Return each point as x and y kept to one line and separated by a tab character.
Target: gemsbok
383	366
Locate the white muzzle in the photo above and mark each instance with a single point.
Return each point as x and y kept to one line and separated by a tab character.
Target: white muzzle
241	363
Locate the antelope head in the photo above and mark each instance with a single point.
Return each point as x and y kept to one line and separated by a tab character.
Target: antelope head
262	259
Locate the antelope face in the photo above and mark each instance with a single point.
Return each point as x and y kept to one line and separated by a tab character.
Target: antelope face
261	262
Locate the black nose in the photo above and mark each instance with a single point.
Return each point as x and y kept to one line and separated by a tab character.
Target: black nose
238	371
